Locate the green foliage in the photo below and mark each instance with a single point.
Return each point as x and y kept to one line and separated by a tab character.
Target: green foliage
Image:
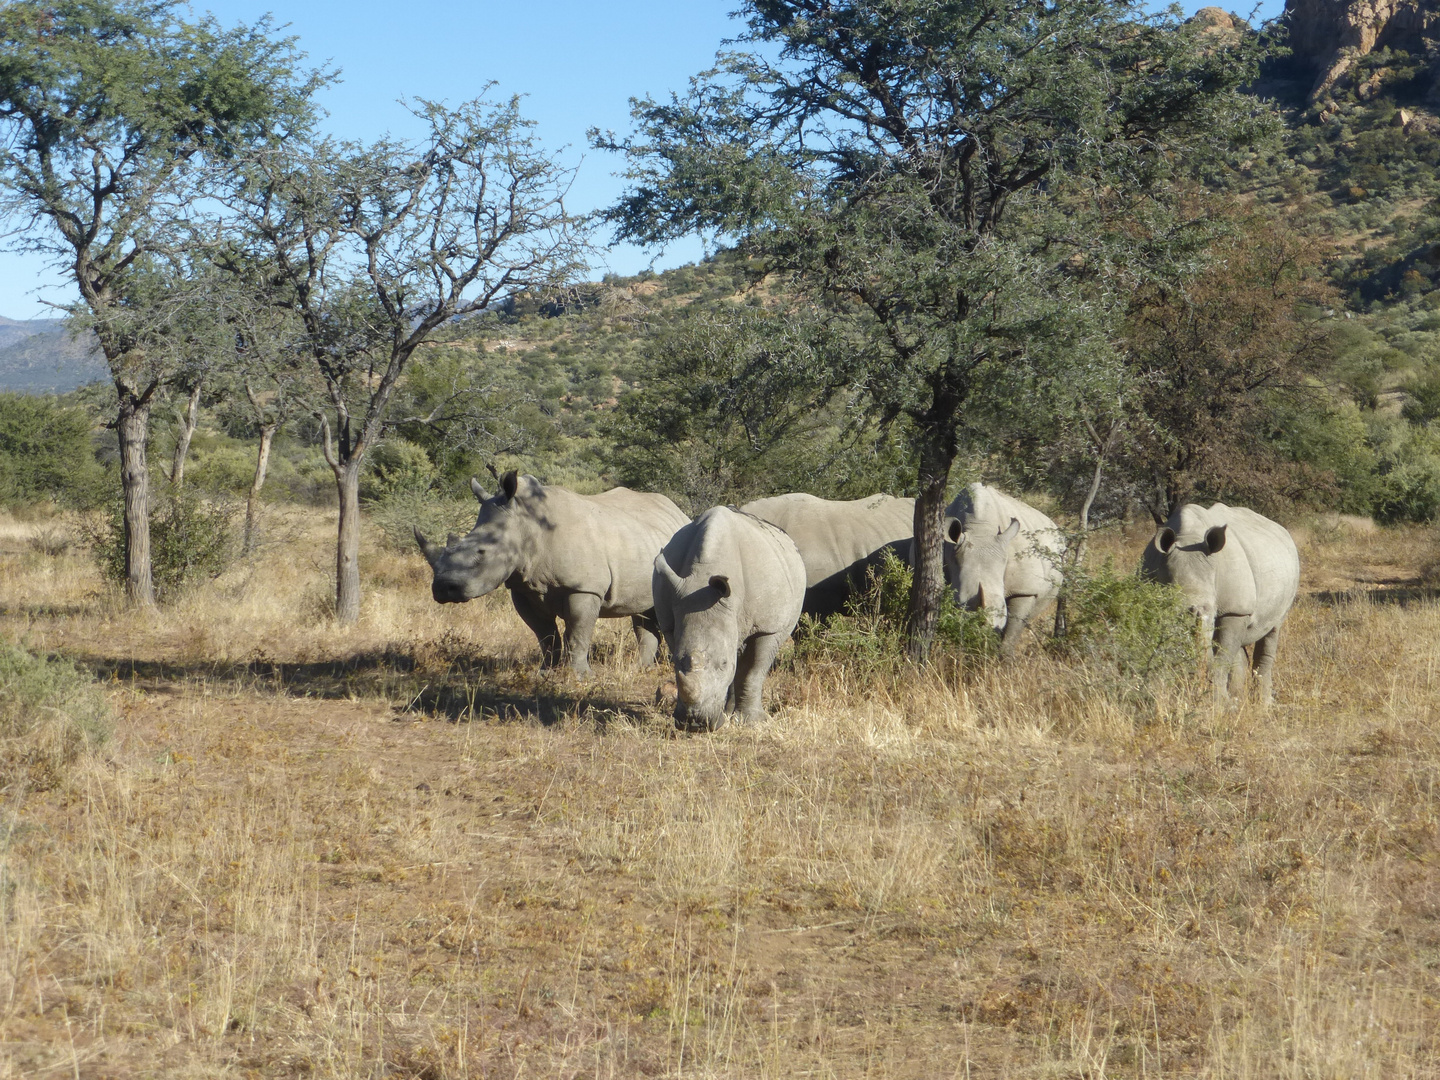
45	453
398	513
192	539
1408	471
1139	631
870	636
738	404
396	465
50	713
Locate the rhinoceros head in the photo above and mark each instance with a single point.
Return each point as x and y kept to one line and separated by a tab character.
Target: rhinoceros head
484	558
977	567
697	617
1186	559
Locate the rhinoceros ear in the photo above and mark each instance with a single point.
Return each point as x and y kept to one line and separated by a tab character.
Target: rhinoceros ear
1165	540
1215	539
426	548
510	483
954	529
477	490
721	584
1008	534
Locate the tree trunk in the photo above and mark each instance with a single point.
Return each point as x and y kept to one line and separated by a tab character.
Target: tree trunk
187	432
929	582
262	462
133	427
1077	552
347	547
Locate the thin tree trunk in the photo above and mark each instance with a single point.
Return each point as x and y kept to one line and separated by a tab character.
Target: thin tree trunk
347	546
929	582
1077	553
187	432
133	427
262	462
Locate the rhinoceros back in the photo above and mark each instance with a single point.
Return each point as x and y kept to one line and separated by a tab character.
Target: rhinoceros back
605	543
838	541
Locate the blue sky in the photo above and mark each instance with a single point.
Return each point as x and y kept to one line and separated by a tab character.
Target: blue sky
576	62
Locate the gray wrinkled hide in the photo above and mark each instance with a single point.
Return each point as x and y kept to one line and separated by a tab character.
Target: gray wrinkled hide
839	541
728	589
1010	571
1240	573
562	556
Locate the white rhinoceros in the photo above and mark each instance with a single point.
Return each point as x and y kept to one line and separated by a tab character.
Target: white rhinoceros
1240	572
561	555
1005	559
839	541
728	589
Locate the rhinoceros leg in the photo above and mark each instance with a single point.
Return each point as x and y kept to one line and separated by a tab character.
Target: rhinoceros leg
750	671
1263	659
580	612
541	623
647	637
1018	610
1228	669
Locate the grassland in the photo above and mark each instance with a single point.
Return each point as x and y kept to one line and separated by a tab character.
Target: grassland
399	850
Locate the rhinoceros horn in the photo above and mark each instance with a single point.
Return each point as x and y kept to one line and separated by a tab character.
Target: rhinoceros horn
426	548
478	491
669	574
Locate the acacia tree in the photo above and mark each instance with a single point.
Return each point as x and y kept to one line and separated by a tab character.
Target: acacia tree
108	108
928	173
375	248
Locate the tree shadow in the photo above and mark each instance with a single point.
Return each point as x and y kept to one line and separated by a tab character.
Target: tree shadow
462	690
465	704
1396	595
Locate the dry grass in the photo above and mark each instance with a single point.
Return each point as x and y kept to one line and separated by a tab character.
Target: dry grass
398	850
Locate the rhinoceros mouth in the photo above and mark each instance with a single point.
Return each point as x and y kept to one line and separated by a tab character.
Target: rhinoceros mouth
698	721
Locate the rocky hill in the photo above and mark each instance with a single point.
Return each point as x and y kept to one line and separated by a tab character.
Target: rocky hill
1328	37
38	356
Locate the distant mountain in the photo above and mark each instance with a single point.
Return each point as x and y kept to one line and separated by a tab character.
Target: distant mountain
38	356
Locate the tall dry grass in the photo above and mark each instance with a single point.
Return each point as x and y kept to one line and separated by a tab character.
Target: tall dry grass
293	860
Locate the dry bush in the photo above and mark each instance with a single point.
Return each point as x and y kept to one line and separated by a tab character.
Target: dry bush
399	848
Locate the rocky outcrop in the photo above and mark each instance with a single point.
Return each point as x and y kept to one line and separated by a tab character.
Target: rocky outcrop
1330	35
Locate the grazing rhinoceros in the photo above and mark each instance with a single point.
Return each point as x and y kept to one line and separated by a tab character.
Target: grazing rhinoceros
1005	559
1240	573
839	541
561	555
728	589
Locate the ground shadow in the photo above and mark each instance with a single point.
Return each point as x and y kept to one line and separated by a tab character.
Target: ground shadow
461	691
1398	595
467	703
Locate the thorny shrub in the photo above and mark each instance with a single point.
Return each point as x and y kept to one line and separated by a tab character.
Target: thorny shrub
50	711
191	540
1122	631
1138	633
400	511
870	636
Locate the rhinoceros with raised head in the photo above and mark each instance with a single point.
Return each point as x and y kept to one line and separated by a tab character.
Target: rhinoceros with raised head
839	541
1240	573
1004	559
562	556
728	589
